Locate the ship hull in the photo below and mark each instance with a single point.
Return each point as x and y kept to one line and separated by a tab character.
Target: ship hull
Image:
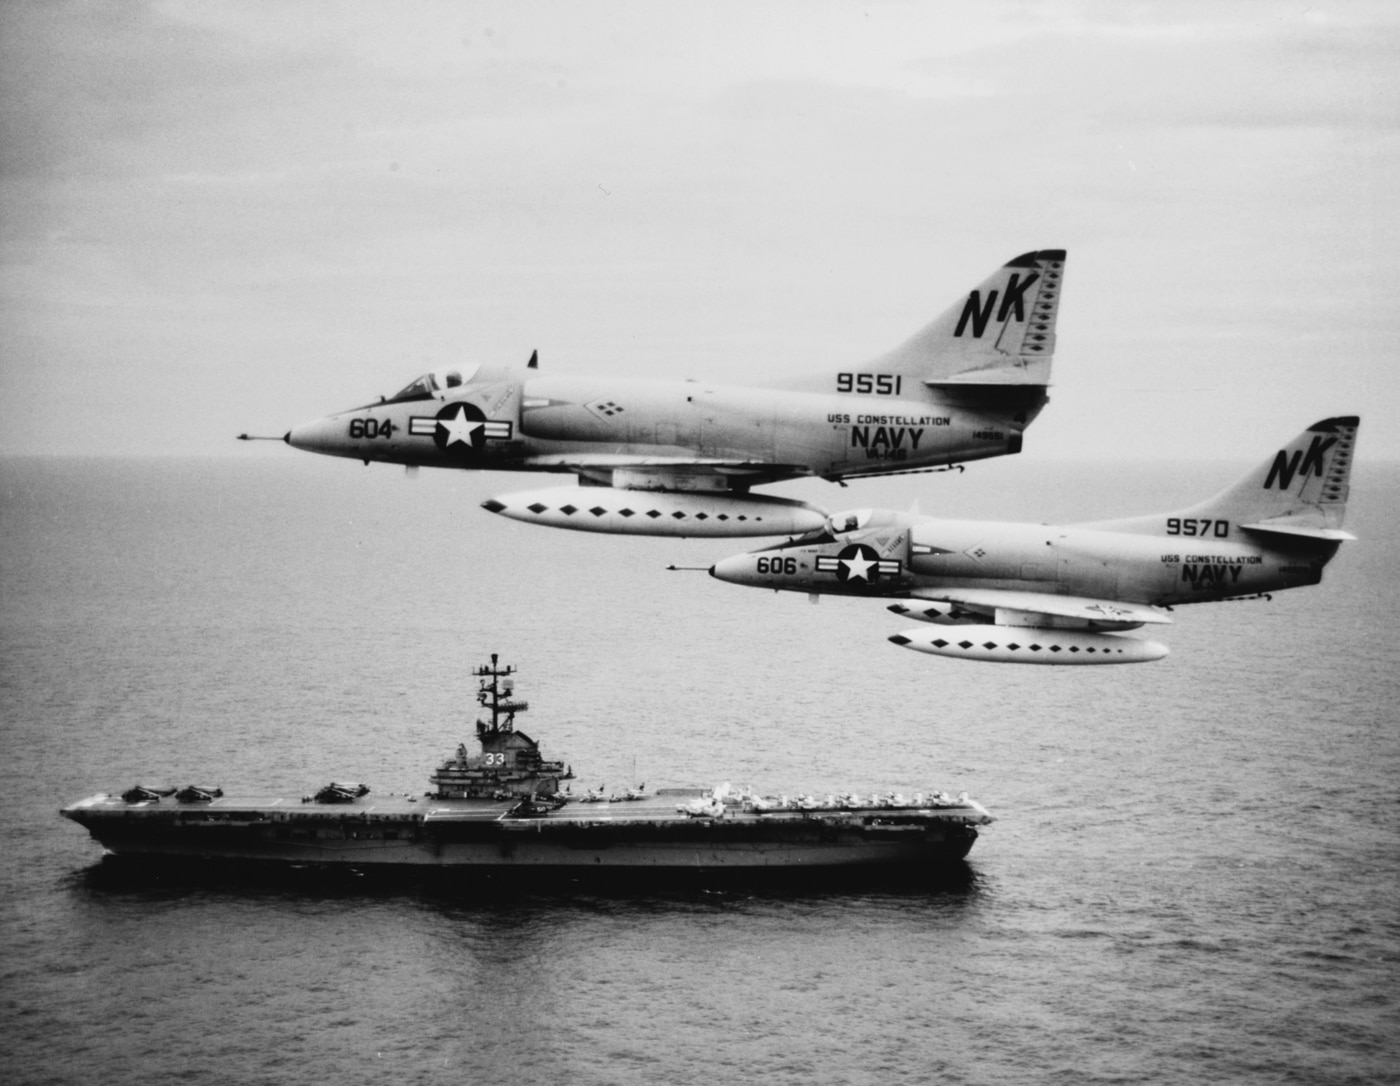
632	838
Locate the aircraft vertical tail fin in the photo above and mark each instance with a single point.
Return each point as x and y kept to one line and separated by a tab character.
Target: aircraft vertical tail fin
1001	333
993	346
1301	491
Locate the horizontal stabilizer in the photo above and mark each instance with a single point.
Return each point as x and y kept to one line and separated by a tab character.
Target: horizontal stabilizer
1300	531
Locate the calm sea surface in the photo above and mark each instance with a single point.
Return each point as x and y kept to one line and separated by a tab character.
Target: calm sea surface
1193	877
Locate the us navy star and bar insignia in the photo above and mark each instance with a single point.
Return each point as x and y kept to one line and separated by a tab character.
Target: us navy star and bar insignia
858	562
461	424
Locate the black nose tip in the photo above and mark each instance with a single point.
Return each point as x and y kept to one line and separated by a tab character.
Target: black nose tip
491	505
900	639
712	571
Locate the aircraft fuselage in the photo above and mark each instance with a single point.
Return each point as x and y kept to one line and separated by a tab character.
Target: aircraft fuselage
1134	568
1144	569
518	420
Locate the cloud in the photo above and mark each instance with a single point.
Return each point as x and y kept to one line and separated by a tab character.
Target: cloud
323	205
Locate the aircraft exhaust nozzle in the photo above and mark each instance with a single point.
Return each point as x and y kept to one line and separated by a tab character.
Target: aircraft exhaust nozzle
658	512
1031	645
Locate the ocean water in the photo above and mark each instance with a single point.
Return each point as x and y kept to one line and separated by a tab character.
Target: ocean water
1193	876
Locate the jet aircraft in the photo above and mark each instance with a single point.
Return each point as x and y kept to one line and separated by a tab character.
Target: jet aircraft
1040	594
681	457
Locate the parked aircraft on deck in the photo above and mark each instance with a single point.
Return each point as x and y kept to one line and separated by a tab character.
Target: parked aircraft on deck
1040	594
682	457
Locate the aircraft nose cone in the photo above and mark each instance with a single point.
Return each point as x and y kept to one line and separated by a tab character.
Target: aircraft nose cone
736	570
320	435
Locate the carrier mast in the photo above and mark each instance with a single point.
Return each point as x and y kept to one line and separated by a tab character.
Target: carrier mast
496	689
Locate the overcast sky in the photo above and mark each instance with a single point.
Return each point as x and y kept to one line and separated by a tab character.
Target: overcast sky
223	216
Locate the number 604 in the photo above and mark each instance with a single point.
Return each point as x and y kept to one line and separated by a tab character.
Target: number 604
362	428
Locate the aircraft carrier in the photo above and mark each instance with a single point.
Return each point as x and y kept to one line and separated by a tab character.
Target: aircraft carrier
503	812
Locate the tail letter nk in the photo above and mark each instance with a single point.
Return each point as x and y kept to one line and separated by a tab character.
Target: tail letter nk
1285	466
980	314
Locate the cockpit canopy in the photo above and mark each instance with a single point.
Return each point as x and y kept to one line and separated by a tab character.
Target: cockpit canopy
859	520
841	524
434	383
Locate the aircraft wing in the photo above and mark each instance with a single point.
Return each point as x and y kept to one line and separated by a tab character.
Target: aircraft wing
1103	613
661	472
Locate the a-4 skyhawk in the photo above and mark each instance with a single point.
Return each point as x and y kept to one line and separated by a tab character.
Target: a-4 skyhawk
1041	594
681	457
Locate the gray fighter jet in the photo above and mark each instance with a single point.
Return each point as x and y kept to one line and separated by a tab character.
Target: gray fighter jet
681	457
1041	594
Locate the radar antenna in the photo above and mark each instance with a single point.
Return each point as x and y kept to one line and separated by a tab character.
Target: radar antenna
495	691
